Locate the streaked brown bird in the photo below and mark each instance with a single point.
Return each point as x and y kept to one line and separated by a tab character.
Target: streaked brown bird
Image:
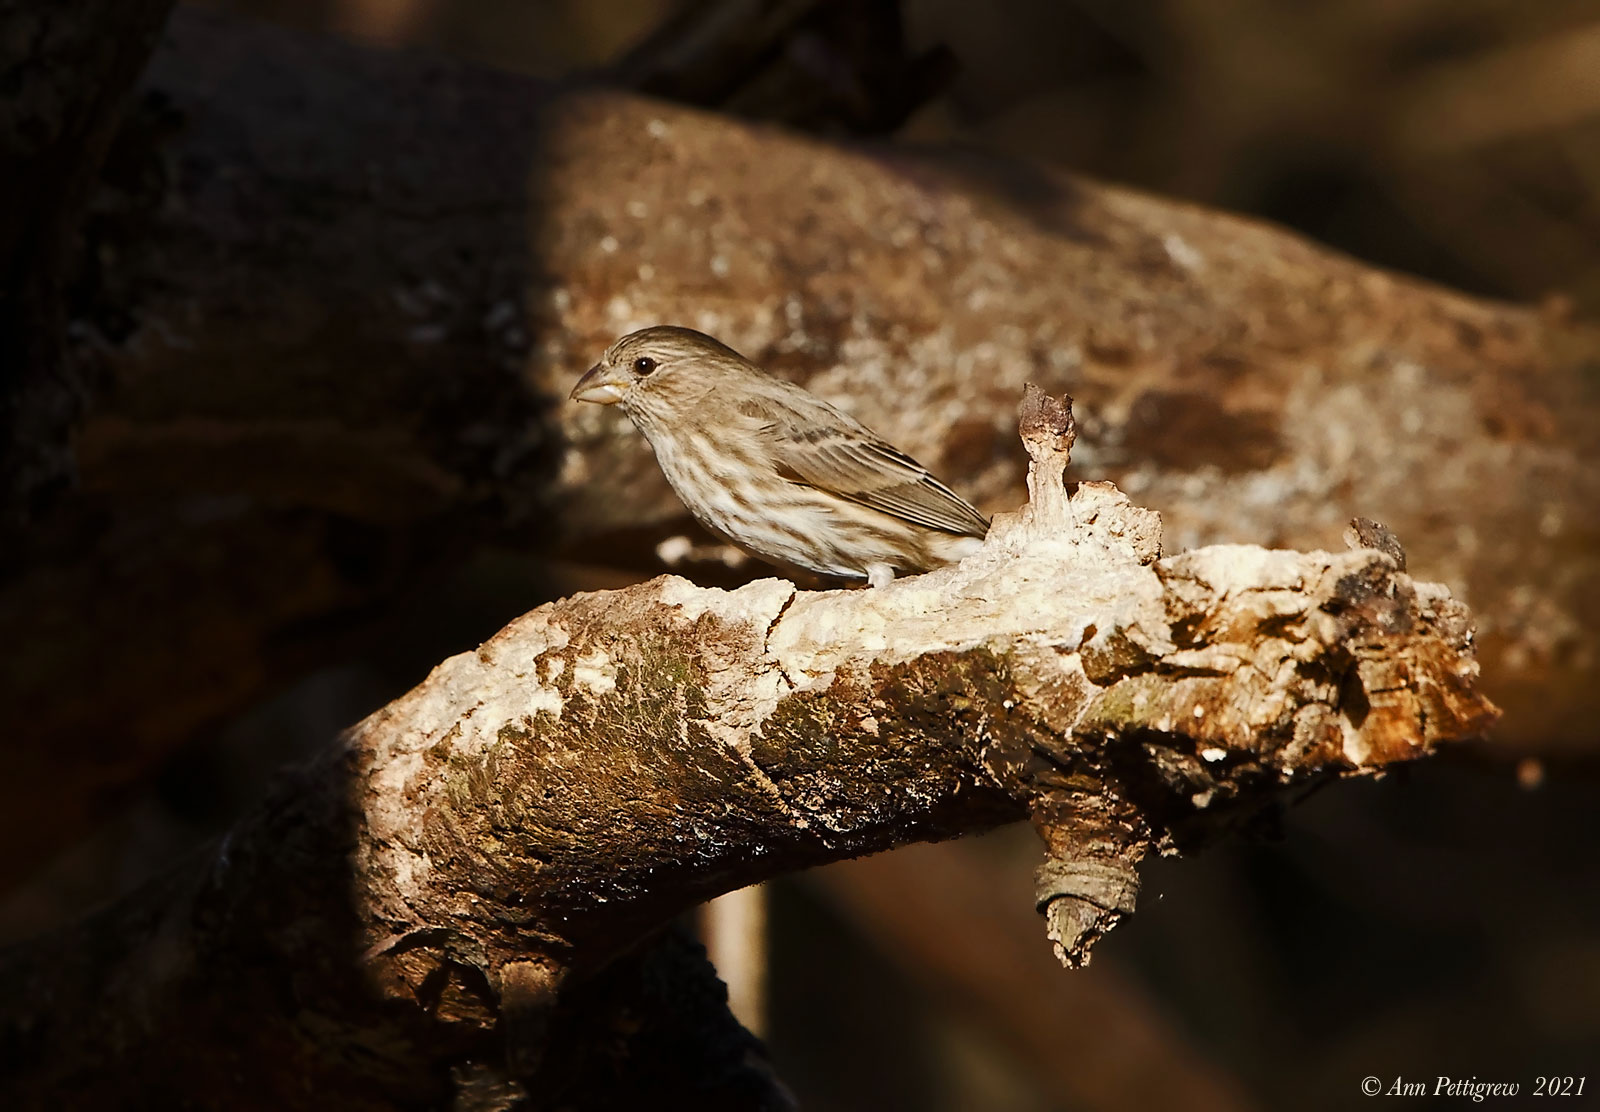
775	469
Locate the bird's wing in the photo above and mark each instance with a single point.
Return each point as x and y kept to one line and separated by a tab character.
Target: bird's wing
832	451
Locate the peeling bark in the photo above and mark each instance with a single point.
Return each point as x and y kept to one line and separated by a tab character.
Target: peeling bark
457	887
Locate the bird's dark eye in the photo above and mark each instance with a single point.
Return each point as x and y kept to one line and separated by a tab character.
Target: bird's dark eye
643	365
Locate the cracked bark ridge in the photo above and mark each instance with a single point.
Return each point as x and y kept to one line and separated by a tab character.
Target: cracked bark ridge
462	879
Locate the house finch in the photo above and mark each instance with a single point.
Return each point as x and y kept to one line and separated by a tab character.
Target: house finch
776	470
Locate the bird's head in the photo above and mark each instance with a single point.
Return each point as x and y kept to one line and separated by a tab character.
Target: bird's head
663	360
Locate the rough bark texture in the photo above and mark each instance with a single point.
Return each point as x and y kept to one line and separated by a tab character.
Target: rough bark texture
65	68
452	897
346	289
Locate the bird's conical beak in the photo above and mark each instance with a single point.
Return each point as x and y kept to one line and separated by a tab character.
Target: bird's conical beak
600	384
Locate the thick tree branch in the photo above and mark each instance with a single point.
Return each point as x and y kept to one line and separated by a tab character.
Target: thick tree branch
448	885
339	326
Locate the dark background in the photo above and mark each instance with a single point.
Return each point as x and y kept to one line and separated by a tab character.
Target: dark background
1445	920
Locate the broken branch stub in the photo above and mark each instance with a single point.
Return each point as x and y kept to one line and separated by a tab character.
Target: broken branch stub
1232	671
1048	430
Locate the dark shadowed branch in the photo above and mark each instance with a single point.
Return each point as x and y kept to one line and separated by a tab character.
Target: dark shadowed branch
68	66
